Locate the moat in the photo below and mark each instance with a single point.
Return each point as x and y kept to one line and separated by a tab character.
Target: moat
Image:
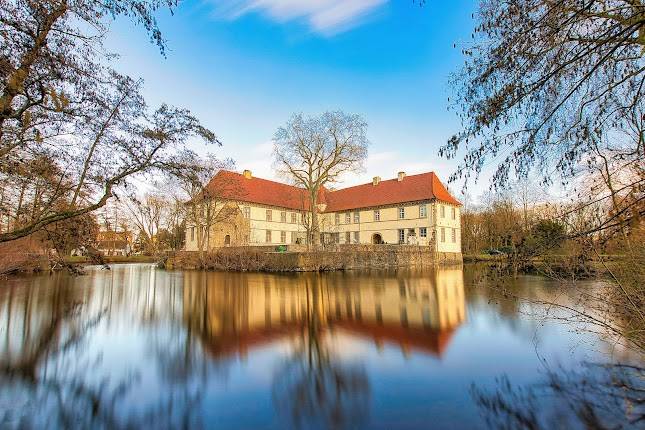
138	346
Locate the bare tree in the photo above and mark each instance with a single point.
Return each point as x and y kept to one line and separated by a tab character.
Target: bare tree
543	79
203	194
72	130
314	152
148	214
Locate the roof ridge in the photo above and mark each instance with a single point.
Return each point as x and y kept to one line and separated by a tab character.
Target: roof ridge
386	180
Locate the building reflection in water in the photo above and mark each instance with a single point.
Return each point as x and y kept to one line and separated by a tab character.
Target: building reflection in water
182	328
314	386
416	310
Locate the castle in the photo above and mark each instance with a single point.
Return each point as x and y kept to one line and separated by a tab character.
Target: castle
406	210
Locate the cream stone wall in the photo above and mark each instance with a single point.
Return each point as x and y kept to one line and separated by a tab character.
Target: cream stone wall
343	227
257	227
260	225
447	224
389	224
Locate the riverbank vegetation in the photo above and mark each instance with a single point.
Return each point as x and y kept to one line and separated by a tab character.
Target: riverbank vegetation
553	91
74	132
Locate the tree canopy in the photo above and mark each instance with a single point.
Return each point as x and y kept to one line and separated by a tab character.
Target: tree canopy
544	81
313	152
72	129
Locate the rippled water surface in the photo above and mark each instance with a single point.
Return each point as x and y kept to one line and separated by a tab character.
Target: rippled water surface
138	346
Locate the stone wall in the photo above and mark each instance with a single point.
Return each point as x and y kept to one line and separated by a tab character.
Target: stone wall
347	257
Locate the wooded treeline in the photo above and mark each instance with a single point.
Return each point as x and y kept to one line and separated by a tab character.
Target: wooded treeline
74	131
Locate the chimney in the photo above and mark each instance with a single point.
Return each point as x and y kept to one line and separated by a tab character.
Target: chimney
247	174
401	176
376	180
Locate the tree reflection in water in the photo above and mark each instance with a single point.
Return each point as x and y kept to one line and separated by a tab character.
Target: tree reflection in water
49	375
137	347
304	316
314	388
596	397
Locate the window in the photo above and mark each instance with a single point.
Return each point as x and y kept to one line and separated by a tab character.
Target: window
404	317
268	236
454	235
425	316
423	211
423	232
348	218
401	213
378	313
336	219
443	211
192	233
443	234
454	213
246	211
283	217
269	214
294	217
401	236
377	215
336	237
294	237
356	237
357	217
283	235
348	237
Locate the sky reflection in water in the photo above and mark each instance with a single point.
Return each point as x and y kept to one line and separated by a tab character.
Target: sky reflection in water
138	346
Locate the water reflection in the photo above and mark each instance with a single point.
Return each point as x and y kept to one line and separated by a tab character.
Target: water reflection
141	347
415	310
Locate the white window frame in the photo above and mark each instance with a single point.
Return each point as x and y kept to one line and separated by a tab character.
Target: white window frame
268	236
348	218
423	211
377	215
401	213
423	232
357	217
283	217
401	235
269	215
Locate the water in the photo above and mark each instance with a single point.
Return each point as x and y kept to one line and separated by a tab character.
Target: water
138	347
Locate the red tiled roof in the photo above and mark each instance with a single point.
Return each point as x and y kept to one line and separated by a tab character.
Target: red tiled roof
234	186
425	186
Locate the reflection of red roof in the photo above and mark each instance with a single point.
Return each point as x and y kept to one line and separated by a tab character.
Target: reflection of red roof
428	340
234	186
241	342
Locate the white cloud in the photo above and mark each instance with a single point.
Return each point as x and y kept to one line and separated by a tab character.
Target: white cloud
323	16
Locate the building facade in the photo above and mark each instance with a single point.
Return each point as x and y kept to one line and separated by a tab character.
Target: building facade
406	210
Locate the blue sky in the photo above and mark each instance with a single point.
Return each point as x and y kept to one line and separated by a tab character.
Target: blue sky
244	66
